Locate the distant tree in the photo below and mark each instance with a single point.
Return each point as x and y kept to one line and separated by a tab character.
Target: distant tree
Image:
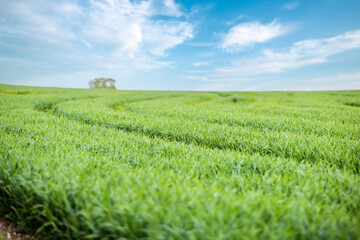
103	83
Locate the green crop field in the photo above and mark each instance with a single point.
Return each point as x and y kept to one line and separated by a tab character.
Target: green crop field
108	164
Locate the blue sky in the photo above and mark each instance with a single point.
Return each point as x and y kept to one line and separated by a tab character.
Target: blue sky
182	44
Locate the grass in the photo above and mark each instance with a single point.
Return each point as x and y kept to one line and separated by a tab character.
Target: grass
107	164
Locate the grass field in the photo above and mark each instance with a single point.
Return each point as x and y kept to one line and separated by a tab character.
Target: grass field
107	164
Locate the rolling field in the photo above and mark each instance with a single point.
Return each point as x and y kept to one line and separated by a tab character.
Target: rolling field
107	164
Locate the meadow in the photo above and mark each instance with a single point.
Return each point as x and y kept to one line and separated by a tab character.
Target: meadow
109	164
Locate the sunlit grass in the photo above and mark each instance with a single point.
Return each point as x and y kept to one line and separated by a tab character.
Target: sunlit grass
97	164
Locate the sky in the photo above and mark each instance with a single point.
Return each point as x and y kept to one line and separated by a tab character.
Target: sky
181	44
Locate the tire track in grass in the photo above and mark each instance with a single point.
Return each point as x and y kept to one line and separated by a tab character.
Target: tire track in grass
318	199
279	122
280	126
264	123
123	104
311	153
48	105
201	99
224	164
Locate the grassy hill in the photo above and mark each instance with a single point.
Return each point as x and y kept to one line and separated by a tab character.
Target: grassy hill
108	164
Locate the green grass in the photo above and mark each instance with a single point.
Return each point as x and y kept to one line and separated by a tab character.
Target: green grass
107	164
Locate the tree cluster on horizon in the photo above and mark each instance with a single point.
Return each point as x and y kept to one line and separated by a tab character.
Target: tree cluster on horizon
102	83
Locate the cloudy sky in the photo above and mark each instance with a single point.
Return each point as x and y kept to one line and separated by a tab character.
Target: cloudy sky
182	44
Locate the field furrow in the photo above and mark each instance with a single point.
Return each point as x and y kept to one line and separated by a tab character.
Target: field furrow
80	164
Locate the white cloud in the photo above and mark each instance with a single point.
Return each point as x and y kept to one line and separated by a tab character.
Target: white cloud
232	22
200	8
124	32
247	34
340	78
347	81
196	78
244	73
161	36
40	19
218	87
290	5
200	64
301	54
241	85
129	28
166	8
